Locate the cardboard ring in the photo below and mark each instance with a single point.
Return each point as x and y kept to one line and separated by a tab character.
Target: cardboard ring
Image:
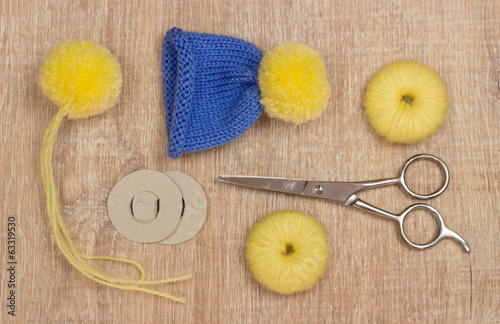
120	210
195	208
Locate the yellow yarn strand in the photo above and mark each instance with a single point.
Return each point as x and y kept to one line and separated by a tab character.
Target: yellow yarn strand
63	239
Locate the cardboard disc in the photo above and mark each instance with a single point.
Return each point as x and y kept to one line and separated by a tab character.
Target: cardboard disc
195	208
120	204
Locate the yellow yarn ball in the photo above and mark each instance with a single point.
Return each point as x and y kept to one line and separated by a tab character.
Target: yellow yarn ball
406	102
82	77
293	83
287	251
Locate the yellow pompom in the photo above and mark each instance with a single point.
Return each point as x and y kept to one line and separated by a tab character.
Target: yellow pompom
288	251
82	77
406	102
293	83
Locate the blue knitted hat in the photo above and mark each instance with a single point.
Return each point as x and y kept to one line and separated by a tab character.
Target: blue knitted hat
211	89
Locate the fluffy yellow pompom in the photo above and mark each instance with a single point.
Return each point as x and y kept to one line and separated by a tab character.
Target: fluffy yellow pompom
406	102
293	83
288	251
82	77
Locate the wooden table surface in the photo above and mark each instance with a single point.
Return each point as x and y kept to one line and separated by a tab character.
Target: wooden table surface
372	275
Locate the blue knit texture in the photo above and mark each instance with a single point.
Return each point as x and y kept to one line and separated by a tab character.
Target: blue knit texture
211	89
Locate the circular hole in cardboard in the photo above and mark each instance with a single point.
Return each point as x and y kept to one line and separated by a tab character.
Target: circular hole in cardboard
145	206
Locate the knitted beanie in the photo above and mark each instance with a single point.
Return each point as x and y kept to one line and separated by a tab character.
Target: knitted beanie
211	89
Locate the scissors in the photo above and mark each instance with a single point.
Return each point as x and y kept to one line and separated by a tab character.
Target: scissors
345	193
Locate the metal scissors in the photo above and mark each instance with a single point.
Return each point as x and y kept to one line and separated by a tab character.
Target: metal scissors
344	193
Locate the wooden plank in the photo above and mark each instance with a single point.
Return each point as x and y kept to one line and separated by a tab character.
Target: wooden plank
373	276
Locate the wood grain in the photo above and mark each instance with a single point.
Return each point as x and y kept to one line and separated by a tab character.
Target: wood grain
373	276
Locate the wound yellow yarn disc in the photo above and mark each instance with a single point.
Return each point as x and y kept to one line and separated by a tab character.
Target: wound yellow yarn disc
406	102
293	83
287	251
82	77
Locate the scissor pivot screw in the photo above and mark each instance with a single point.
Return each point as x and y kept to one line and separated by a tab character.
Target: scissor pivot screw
318	190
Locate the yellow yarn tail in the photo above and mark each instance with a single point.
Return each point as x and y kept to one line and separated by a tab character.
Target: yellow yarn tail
64	241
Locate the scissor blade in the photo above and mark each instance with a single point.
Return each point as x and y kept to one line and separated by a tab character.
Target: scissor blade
337	192
290	186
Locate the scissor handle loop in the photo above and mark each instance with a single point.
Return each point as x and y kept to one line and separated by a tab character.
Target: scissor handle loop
441	164
442	232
